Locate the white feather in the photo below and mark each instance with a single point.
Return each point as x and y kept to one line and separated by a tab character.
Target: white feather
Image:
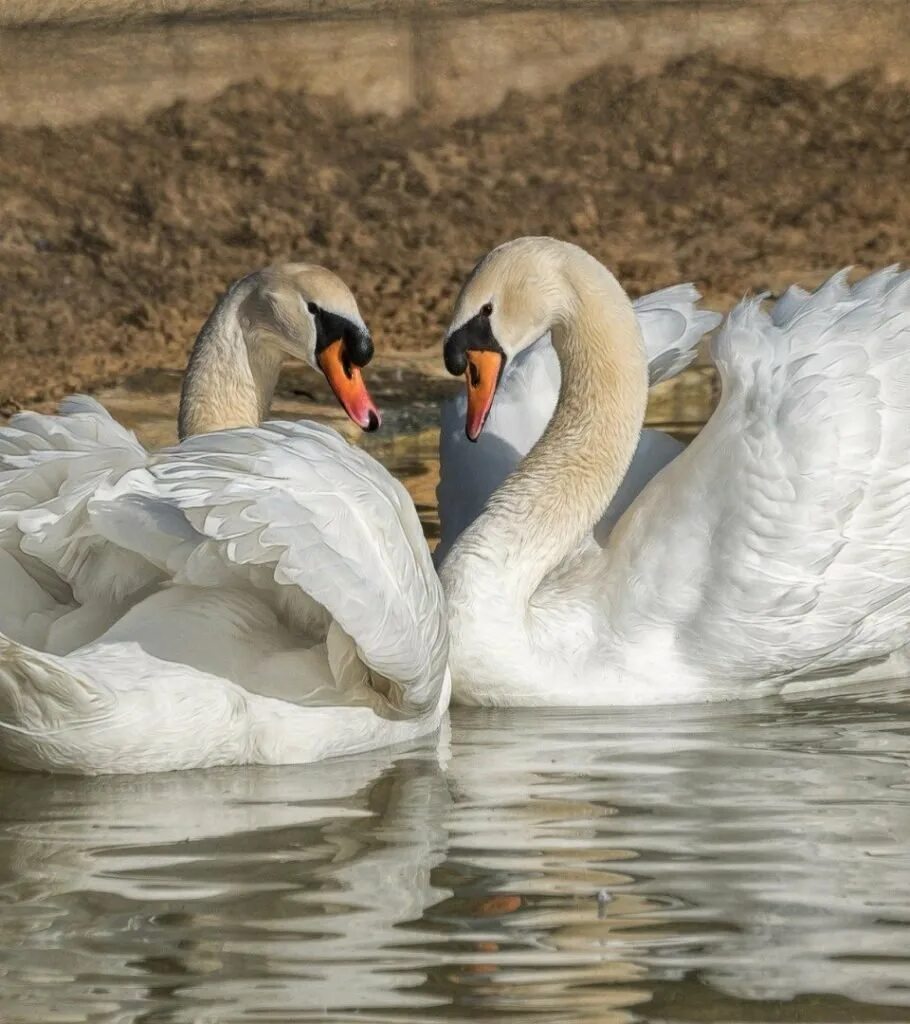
788	551
201	582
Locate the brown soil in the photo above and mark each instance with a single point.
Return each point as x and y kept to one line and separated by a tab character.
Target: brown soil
115	238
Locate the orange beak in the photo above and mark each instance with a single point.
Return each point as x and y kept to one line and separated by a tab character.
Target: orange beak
482	376
346	381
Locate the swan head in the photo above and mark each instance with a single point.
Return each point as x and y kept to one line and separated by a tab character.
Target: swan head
309	313
514	295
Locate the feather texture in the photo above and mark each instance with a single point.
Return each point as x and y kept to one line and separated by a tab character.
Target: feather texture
788	549
203	581
774	552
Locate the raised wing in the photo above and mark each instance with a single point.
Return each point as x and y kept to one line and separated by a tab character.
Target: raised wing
52	560
301	516
672	325
779	543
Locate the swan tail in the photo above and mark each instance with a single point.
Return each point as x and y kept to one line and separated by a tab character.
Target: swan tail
112	709
42	704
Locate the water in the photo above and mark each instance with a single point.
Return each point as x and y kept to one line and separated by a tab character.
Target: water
753	859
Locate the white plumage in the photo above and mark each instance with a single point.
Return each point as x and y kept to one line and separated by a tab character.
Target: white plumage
205	581
788	548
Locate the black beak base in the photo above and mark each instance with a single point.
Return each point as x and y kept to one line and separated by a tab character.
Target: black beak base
474	334
331	327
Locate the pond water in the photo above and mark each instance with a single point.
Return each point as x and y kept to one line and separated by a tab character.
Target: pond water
737	863
744	862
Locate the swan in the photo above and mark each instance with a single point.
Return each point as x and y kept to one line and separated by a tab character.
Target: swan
254	595
775	550
672	325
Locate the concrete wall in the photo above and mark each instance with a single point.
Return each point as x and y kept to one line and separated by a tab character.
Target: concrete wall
451	58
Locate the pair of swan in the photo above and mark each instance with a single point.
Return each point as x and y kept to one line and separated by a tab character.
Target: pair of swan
264	594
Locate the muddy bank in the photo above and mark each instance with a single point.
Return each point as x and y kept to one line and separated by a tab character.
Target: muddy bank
117	237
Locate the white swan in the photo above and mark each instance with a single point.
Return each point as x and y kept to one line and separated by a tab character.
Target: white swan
776	547
671	324
173	597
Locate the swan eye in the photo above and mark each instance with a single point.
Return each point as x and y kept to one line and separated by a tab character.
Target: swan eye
312	307
486	309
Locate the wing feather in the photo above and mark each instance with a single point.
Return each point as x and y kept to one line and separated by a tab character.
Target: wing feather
786	549
294	507
50	466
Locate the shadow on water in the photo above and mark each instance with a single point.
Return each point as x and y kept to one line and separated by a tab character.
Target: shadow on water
744	862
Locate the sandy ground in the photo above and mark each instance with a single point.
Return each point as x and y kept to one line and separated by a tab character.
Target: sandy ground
115	238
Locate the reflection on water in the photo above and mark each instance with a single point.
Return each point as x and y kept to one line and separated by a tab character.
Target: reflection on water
754	862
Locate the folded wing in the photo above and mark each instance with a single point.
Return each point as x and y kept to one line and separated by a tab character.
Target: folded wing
295	513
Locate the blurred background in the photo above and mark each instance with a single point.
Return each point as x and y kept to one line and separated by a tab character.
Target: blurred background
150	152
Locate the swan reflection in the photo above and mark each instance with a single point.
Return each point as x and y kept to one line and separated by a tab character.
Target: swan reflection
751	852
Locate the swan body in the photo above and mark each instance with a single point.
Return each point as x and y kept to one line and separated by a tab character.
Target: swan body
774	551
254	595
671	326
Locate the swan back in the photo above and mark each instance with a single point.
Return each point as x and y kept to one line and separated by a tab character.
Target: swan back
209	572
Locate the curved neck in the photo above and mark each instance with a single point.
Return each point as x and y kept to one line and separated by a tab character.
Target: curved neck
229	380
539	516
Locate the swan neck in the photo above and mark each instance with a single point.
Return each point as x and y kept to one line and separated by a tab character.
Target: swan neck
231	375
544	510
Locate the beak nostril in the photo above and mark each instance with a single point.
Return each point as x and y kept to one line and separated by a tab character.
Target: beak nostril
346	365
482	373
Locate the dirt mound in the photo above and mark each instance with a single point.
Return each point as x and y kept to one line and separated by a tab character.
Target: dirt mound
117	237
